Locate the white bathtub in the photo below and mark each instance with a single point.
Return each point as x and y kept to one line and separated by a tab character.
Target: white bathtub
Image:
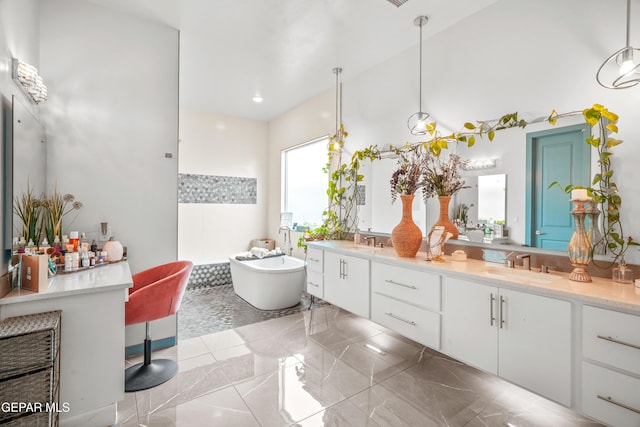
269	283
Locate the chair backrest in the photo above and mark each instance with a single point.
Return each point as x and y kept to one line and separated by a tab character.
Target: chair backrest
157	292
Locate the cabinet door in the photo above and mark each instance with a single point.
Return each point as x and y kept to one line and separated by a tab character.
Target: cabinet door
535	343
346	282
470	323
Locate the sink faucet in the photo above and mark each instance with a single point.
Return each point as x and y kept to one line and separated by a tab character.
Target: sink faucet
526	261
372	238
286	231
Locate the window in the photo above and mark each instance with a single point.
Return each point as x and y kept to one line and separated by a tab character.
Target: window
305	182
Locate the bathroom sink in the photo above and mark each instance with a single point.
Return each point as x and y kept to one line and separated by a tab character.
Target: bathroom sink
519	275
366	249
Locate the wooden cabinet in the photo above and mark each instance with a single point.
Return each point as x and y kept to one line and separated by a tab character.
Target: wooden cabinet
407	301
346	282
315	272
522	337
610	371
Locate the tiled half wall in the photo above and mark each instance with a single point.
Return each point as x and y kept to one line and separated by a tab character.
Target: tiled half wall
194	188
210	275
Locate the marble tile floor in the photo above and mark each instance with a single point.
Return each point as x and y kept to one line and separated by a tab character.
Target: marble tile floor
208	309
326	367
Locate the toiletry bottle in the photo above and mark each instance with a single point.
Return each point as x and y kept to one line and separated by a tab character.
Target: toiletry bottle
84	243
57	244
94	246
74	240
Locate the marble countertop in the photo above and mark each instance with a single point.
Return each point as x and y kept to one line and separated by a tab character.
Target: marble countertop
97	279
603	292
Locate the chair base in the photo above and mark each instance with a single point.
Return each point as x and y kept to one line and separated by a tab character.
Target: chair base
143	376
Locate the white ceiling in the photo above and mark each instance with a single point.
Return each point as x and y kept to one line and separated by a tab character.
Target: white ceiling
285	50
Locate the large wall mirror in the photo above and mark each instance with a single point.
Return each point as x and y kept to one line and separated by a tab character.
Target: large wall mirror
489	198
25	162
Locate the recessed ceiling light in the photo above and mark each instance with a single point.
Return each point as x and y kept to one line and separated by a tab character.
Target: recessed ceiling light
257	99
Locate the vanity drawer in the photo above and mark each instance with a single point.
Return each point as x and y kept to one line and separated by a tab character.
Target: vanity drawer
415	323
417	287
315	284
611	337
619	401
315	258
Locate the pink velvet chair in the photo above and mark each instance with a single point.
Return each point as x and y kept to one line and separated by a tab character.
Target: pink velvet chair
156	293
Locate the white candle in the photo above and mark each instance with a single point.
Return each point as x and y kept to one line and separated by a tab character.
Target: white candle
579	194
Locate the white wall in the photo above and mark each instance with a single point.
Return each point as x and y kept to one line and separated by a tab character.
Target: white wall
516	55
214	144
311	120
111	116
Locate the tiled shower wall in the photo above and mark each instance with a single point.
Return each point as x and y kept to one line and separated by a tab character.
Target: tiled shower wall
214	189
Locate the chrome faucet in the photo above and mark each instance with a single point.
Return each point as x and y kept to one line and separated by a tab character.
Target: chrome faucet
526	261
286	231
372	238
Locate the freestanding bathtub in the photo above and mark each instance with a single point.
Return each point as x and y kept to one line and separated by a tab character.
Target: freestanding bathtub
269	283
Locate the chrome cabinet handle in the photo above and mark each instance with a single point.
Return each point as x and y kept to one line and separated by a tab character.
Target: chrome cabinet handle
400	284
401	319
539	233
343	268
628	344
502	302
622	405
492	300
314	260
314	284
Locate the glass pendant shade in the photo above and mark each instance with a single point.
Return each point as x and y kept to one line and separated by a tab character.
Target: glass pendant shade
417	122
620	71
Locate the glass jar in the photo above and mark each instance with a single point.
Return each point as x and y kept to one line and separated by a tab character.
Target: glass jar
621	273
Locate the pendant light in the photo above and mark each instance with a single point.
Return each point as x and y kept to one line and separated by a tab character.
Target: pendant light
620	69
417	123
337	146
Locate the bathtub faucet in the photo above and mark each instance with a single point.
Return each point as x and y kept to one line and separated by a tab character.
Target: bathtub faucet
286	231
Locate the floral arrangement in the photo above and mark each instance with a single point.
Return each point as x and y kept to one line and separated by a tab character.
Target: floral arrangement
28	207
462	213
56	207
43	213
418	168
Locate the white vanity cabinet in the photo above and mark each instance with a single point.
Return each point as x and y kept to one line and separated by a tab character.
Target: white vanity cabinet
522	337
611	366
315	272
346	282
407	301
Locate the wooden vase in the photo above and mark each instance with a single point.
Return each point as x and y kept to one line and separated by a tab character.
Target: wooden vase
443	219
406	237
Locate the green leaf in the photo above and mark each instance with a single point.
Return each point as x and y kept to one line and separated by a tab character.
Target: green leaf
471	141
612	127
612	142
469	126
591	116
597	178
491	135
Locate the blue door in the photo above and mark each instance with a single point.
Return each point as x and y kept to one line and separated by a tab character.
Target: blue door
561	155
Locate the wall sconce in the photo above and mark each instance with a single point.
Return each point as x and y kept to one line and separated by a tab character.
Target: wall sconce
478	164
620	68
28	79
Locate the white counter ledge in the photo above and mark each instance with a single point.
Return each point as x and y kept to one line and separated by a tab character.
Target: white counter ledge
97	279
604	292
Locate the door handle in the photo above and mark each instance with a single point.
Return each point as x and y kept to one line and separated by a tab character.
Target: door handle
492	300
539	233
502	302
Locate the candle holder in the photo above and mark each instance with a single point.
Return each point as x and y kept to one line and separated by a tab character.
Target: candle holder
579	245
593	231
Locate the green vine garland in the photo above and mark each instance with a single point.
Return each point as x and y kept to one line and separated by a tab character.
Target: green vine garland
338	218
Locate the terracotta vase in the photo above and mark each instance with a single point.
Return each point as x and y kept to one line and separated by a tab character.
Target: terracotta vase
406	237
444	220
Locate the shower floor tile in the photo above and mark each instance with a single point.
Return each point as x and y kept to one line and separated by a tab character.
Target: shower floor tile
206	310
